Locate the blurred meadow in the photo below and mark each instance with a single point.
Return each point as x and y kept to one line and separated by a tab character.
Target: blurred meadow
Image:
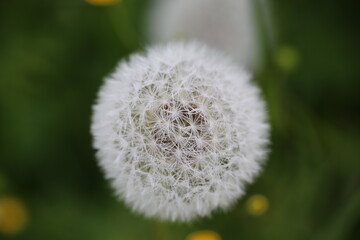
53	57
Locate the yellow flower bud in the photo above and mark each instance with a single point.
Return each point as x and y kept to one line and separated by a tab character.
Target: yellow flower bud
13	215
204	235
257	204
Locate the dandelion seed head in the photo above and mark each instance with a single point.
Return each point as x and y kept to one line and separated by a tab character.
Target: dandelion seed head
179	131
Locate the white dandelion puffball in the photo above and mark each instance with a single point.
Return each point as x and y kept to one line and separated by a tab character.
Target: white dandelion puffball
227	25
179	131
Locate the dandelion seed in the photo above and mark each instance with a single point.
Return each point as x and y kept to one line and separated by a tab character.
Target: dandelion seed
180	131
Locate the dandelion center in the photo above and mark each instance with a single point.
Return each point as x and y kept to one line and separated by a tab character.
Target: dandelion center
180	130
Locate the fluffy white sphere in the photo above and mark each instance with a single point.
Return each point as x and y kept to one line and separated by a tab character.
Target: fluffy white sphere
179	131
227	25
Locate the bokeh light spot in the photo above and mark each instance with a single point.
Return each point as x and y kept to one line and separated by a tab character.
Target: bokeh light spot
257	205
13	215
287	58
204	235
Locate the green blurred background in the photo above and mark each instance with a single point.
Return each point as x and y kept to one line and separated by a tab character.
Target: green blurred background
53	56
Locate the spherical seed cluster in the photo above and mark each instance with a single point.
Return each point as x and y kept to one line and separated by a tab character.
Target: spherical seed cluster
179	131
